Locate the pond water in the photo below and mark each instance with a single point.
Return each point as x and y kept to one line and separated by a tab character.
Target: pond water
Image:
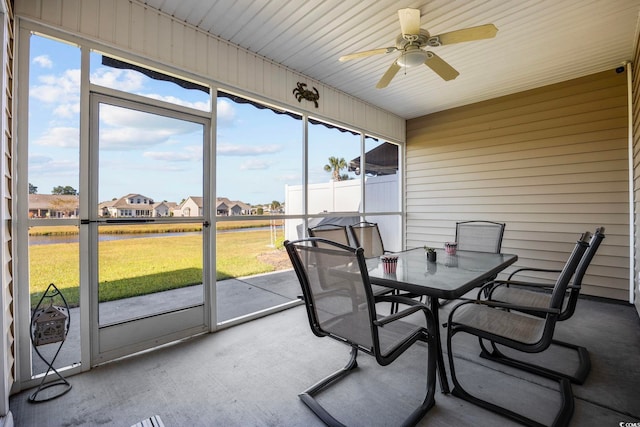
73	238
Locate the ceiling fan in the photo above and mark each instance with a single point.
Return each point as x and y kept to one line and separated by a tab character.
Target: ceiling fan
413	39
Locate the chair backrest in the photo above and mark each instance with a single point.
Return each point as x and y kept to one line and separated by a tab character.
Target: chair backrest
367	236
560	287
336	290
594	244
334	232
479	236
569	269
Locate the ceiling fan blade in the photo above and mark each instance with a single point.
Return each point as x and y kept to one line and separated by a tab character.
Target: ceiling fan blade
388	76
409	21
468	34
440	67
366	53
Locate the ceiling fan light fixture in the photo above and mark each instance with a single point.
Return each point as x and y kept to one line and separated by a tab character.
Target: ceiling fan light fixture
412	58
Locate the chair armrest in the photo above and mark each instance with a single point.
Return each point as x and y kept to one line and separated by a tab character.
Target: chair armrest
488	287
402	299
414	307
399	315
522	308
523	284
543	270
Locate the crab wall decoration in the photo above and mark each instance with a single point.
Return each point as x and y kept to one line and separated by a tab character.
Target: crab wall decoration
301	92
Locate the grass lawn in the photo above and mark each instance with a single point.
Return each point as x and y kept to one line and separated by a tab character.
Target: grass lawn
138	266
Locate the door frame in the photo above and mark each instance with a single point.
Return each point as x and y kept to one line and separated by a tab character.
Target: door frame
109	342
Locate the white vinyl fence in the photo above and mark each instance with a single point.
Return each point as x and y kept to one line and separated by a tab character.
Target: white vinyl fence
342	198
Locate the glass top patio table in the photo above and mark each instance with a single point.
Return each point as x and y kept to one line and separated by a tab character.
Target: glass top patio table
449	278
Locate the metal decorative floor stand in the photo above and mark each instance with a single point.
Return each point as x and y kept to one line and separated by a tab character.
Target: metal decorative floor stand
50	325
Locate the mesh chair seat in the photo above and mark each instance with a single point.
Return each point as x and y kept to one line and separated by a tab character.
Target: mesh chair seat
512	326
523	297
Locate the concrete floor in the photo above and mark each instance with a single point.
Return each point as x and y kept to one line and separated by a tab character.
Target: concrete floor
236	297
250	375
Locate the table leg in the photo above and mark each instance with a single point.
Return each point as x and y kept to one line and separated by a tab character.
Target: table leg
444	383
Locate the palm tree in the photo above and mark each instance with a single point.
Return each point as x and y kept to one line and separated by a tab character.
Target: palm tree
335	166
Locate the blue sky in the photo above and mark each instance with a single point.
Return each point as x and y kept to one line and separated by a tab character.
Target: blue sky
258	151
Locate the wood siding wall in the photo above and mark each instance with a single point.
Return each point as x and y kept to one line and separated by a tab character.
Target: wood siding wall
7	329
636	168
550	163
135	29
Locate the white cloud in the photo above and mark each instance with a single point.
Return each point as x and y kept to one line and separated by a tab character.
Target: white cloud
203	106
124	80
67	111
123	117
247	150
226	113
63	137
255	164
62	89
46	168
191	153
38	159
43	60
125	129
129	138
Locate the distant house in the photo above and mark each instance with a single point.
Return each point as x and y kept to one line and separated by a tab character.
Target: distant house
267	209
191	206
53	206
226	207
139	206
164	209
130	206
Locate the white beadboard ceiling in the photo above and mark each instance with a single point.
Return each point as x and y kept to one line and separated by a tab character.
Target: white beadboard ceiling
539	42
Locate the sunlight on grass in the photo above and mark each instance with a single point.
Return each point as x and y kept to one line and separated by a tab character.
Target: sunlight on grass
139	266
238	253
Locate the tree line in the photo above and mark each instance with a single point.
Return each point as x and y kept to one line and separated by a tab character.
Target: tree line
65	190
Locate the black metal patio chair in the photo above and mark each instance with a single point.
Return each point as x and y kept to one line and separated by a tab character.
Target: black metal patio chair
341	305
340	234
334	232
525	293
480	236
510	326
367	236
